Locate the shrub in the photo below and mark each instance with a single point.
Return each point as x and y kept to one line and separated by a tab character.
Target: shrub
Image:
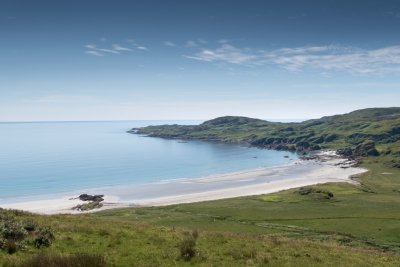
188	245
304	191
30	225
17	234
11	247
44	237
12	230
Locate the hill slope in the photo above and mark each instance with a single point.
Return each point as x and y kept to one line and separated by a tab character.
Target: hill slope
367	132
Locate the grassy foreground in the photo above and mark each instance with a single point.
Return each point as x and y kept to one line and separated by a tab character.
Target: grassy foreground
359	226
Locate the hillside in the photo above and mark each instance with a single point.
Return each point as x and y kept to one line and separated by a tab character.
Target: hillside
367	132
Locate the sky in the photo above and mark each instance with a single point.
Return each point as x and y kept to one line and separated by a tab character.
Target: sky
196	60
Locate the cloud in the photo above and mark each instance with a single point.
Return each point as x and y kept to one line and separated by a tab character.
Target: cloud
336	58
140	47
94	50
170	44
394	14
226	53
324	59
117	47
94	53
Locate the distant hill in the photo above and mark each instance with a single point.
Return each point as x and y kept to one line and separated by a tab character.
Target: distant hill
361	133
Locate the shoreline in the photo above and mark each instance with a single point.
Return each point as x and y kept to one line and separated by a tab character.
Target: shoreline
322	167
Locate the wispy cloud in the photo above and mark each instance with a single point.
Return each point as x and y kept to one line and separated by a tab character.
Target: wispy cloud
324	59
226	53
138	46
117	47
394	14
94	53
94	50
170	44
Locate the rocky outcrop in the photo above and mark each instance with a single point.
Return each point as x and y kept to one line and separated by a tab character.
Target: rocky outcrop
93	202
96	198
366	148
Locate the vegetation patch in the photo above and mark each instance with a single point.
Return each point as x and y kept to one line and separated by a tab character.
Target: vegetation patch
20	234
315	192
187	246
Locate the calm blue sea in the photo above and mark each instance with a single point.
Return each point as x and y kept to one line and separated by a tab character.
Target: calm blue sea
38	159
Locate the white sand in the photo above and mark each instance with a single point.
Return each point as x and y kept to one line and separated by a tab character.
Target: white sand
252	182
58	205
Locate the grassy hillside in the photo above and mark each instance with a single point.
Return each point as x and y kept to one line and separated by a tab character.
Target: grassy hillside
367	132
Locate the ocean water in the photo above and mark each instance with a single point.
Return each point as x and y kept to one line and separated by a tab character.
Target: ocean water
50	158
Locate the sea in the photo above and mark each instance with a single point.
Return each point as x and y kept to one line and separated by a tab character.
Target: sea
45	159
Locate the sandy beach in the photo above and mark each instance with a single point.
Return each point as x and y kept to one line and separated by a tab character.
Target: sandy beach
327	168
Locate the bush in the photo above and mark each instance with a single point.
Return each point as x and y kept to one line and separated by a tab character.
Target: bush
17	234
11	247
315	191
188	245
30	226
12	230
81	260
44	237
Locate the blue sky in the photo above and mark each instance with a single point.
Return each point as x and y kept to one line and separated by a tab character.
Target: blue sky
106	60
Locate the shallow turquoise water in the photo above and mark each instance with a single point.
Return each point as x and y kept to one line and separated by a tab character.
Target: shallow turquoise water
39	159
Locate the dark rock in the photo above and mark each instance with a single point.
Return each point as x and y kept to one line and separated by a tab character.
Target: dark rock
396	165
345	152
96	198
315	147
367	148
88	206
393	131
133	130
302	144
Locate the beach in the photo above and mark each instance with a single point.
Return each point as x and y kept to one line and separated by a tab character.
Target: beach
327	167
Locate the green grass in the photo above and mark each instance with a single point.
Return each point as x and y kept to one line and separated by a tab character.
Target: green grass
368	219
134	243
